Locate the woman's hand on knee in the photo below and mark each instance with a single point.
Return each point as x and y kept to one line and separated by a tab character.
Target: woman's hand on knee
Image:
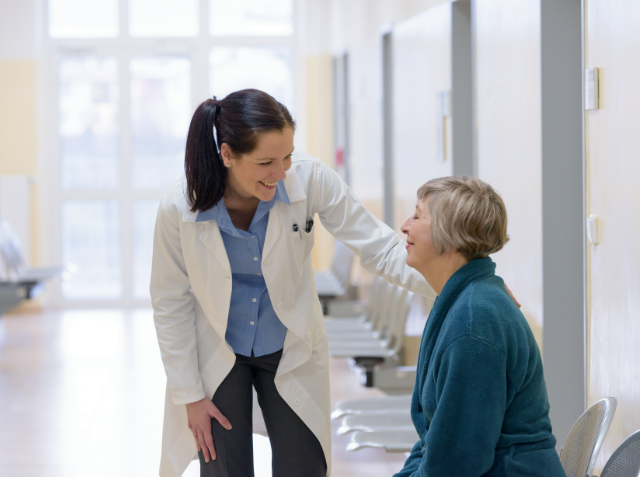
199	415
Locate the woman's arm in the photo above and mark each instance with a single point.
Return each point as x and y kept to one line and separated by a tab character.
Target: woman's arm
173	310
175	326
381	250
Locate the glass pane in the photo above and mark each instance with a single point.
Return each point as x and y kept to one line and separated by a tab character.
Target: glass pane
250	17
267	69
144	219
163	17
160	115
91	246
89	126
83	19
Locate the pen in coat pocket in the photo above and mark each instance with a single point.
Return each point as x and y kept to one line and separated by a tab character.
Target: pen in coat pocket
309	225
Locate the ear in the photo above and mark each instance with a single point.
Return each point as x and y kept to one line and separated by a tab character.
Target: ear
225	152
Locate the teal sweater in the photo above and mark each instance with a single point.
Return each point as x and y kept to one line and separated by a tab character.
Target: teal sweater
480	402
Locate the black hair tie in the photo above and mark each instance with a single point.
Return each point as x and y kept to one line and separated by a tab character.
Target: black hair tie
216	111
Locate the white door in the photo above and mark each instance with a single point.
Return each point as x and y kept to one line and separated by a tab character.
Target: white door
613	151
421	79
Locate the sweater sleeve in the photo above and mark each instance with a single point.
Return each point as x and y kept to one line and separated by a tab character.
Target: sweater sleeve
471	394
412	464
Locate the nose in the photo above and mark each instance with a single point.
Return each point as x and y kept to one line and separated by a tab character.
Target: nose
280	172
406	226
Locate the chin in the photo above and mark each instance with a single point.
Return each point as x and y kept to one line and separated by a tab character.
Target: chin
265	196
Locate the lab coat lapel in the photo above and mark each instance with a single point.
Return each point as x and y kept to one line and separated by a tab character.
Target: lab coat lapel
212	240
295	192
273	228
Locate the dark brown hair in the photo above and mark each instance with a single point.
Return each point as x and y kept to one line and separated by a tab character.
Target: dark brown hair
240	119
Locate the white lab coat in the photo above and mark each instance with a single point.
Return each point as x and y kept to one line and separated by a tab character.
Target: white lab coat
191	292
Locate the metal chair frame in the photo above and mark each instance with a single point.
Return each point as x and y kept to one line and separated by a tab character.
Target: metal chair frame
578	447
625	460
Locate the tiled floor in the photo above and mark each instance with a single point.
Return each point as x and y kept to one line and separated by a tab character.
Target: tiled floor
81	394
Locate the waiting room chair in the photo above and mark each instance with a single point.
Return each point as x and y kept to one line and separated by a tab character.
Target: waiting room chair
395	440
388	344
392	420
625	461
12	265
381	405
364	322
18	281
380	314
580	451
336	281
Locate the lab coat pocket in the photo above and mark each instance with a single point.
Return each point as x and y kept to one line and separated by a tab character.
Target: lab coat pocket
301	246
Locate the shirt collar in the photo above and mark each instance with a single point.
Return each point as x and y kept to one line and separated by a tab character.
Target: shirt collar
220	214
281	194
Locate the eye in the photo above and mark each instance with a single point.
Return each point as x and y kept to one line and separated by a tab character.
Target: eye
265	163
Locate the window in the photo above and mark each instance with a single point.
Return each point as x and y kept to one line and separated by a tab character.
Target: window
128	75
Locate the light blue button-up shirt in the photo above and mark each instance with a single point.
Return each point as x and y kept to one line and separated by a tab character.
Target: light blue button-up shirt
253	324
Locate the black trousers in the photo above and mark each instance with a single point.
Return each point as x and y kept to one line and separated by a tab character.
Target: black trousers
296	450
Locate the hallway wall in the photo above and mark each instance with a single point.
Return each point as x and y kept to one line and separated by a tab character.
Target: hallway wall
19	117
612	44
354	26
421	72
508	138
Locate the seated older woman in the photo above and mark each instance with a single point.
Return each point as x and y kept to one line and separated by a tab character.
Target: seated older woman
480	401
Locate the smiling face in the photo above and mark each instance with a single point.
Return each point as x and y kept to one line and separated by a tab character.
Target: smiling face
255	175
420	250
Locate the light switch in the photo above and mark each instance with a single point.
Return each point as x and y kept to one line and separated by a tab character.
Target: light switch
592	229
591	88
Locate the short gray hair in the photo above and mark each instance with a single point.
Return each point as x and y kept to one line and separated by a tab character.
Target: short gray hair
467	215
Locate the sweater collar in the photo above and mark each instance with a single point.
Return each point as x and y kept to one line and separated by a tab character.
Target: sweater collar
468	273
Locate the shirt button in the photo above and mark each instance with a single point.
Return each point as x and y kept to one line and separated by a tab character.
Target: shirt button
267	261
252	323
297	402
259	274
255	259
254	300
279	305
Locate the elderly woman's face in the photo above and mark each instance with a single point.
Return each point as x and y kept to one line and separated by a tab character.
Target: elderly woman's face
420	250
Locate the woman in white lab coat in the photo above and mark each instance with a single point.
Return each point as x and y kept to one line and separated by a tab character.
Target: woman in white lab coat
246	197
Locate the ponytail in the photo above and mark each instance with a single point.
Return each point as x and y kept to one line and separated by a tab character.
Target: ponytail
206	177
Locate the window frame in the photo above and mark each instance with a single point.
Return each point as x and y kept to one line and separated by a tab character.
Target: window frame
124	48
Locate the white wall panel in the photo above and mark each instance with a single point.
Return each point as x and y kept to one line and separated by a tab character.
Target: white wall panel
612	45
421	69
15	208
508	138
365	158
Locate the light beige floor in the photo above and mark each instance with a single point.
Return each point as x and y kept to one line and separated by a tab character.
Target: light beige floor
81	394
